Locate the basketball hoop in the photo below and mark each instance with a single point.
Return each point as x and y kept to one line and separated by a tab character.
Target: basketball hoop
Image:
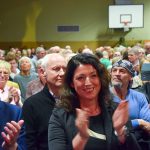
125	26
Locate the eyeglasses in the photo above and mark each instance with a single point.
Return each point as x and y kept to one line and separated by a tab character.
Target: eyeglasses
5	73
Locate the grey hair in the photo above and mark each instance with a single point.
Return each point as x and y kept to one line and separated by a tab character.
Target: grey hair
46	59
24	58
134	50
6	65
39	49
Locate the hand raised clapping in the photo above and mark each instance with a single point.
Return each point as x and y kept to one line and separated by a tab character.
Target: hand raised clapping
120	118
11	134
82	122
14	95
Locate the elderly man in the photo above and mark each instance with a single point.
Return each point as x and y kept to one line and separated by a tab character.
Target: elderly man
37	109
40	53
36	85
133	57
121	77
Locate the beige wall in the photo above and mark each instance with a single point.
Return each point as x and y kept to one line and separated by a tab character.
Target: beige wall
32	22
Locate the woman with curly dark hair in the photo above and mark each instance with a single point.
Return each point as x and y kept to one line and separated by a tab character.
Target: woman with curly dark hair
84	118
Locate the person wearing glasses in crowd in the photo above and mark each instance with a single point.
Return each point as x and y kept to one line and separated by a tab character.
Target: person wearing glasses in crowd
8	92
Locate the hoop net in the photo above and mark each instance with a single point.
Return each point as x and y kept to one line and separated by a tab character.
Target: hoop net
126	26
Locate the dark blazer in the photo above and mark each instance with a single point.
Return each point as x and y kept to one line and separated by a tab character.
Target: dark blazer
37	110
9	112
62	130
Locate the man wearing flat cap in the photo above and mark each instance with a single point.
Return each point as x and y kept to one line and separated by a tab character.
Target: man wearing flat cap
121	78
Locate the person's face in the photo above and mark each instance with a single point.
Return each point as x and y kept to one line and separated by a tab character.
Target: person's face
13	64
25	65
2	57
29	52
33	50
4	76
141	54
41	74
55	72
41	54
120	77
117	54
132	57
147	47
18	54
86	82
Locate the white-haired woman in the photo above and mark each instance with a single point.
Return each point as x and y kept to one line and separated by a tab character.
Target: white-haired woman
25	75
8	93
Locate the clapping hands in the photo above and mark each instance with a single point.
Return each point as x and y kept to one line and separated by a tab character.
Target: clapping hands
14	95
120	118
82	122
11	134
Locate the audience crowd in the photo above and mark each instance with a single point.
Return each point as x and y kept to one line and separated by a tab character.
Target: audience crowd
53	91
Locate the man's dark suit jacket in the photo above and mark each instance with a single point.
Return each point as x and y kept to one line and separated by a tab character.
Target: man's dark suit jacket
37	110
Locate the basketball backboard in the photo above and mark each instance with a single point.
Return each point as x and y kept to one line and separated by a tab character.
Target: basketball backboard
121	16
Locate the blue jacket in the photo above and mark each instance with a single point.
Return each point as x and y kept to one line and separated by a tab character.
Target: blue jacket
9	112
138	106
